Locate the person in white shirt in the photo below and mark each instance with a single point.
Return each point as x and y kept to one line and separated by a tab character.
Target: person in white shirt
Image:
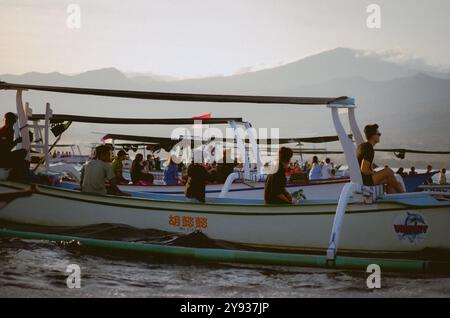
326	169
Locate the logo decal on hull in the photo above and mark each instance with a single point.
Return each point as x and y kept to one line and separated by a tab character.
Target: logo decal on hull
188	222
410	227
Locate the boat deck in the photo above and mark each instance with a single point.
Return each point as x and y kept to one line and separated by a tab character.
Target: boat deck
412	199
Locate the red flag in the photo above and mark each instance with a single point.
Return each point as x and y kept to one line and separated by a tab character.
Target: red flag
202	116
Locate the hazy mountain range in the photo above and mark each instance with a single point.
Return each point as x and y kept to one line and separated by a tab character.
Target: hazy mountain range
412	105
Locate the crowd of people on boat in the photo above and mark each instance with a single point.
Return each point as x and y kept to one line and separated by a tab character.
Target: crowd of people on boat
103	167
195	176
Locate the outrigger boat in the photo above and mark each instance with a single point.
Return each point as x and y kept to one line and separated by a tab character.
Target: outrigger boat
375	222
247	183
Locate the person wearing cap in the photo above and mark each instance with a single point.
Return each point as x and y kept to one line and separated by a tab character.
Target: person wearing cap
14	160
118	166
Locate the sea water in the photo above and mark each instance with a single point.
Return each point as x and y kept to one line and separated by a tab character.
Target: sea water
33	268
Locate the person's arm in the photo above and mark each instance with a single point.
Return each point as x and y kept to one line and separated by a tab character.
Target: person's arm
8	136
366	168
111	177
288	195
284	197
115	188
17	141
280	185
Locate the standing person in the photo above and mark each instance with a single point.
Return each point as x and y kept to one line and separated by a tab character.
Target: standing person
326	169
97	172
412	172
13	160
306	167
275	186
137	170
157	164
315	170
442	177
429	179
151	163
170	172
117	165
365	155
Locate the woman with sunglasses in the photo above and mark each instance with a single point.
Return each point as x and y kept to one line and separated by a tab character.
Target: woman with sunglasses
365	155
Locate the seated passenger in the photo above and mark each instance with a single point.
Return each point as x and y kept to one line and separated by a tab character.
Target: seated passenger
365	155
315	171
275	187
118	166
333	174
442	176
13	160
137	171
225	168
195	188
96	172
171	172
326	169
401	172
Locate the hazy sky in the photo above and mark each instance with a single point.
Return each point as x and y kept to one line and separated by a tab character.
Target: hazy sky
187	38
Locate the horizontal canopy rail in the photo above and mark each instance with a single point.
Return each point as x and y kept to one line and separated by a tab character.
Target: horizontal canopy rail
135	121
59	146
151	139
311	140
431	152
141	139
178	96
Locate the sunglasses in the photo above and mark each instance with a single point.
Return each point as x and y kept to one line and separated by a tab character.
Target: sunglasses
378	134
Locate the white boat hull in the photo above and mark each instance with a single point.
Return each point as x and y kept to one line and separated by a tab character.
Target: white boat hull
375	228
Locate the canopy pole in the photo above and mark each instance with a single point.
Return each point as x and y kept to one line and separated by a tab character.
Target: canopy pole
255	149
347	144
241	146
48	115
354	127
355	184
23	124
